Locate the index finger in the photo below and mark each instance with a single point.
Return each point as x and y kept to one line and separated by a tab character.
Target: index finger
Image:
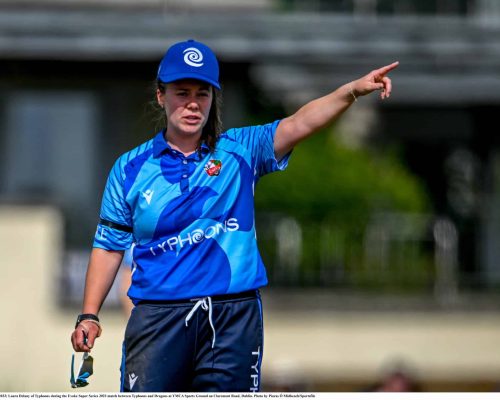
387	68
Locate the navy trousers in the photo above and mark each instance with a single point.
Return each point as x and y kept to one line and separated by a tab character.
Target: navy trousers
161	353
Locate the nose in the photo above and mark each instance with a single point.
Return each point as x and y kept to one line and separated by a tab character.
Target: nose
192	104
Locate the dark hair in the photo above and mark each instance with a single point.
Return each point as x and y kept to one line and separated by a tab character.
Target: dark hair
213	127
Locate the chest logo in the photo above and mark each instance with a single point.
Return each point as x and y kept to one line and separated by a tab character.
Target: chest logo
213	167
148	195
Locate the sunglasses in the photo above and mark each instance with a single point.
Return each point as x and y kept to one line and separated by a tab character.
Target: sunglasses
86	369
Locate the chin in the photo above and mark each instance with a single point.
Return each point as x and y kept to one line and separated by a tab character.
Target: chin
191	129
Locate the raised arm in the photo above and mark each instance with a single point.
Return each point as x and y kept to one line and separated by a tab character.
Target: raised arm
323	111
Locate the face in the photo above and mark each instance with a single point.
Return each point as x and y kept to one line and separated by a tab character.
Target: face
187	105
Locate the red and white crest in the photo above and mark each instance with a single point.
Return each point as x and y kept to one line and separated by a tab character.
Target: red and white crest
213	167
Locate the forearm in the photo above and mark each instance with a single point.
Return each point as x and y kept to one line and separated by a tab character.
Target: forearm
310	118
101	272
321	112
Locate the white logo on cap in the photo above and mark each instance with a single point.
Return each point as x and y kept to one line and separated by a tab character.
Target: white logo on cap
193	57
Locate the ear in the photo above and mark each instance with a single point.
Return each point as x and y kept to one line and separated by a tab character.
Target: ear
160	98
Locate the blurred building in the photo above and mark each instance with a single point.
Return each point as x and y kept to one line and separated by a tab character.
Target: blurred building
76	77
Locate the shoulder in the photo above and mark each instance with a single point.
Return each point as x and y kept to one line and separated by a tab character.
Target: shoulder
251	129
253	138
251	133
135	157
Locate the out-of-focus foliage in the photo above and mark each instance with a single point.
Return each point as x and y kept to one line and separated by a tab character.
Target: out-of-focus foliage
336	195
325	179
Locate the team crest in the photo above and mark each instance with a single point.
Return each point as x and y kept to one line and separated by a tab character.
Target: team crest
213	167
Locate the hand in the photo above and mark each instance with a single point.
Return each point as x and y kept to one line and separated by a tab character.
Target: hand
87	329
375	80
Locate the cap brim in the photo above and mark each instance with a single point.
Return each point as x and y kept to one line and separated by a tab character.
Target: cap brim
188	75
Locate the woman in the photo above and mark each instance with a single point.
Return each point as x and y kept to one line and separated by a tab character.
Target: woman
185	200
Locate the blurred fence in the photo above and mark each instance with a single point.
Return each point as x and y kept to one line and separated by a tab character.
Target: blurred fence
394	252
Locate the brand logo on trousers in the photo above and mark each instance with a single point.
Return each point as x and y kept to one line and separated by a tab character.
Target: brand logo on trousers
132	378
254	374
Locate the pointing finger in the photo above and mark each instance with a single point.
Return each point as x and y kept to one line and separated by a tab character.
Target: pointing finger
384	70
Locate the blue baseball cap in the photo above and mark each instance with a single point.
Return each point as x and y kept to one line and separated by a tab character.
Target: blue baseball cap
189	59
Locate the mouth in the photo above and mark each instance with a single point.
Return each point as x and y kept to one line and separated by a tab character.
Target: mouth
192	119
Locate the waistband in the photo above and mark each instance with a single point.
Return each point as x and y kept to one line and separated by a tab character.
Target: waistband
220	297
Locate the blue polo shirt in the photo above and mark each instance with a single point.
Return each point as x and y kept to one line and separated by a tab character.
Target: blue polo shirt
191	218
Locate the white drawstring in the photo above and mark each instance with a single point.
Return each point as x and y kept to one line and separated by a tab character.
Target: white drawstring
207	307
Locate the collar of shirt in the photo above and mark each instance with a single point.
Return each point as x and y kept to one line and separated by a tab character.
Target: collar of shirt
161	146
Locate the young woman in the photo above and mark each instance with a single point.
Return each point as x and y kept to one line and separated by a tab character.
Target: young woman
185	200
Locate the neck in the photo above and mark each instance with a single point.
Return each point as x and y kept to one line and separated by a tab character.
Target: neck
186	145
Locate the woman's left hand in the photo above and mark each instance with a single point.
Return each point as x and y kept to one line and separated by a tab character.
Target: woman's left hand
375	80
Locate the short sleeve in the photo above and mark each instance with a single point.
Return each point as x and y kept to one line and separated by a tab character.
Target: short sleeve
259	139
114	231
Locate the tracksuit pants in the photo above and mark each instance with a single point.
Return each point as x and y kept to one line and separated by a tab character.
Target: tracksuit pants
211	344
